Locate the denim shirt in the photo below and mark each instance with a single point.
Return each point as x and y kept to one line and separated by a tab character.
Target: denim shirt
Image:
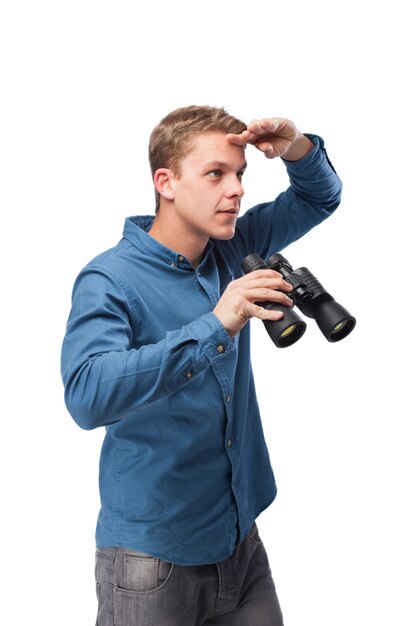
184	468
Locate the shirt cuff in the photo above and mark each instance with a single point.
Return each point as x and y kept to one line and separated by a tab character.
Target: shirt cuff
212	336
316	154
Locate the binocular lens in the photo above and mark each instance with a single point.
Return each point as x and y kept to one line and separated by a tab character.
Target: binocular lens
334	321
342	329
290	334
288	330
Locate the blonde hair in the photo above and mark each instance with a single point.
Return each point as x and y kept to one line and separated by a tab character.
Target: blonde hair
172	139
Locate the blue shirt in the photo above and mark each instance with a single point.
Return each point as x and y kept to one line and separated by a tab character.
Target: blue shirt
184	468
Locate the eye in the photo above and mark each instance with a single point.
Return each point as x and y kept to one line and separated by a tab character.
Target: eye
240	174
215	174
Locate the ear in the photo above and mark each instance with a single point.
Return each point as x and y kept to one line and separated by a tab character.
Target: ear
163	179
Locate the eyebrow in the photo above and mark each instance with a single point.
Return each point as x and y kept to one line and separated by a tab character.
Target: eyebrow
224	165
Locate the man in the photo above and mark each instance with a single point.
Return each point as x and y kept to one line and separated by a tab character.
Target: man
157	351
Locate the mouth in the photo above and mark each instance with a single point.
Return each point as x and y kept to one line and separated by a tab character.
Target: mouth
231	211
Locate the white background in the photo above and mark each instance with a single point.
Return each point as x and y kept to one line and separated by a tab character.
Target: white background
83	84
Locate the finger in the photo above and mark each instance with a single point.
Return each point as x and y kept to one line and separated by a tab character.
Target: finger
262	273
266	278
255	127
238	140
271	154
263	294
273	285
271	125
270	283
264	125
255	310
266	148
241	139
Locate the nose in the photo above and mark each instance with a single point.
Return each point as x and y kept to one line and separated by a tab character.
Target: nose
235	188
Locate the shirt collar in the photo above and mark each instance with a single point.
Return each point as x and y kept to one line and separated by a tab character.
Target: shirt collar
136	231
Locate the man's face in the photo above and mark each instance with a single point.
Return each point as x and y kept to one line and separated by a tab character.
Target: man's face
208	192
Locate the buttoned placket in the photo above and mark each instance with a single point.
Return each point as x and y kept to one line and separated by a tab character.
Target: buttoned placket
230	443
220	374
206	274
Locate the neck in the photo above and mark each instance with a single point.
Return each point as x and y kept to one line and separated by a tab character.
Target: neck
190	245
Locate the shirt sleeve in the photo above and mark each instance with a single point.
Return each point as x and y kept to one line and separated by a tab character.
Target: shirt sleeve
314	193
105	379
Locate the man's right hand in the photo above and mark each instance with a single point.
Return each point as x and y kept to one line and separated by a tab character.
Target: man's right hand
237	304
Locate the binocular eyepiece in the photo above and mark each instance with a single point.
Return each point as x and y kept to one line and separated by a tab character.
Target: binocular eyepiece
334	321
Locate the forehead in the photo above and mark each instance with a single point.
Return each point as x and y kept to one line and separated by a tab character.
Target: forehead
213	146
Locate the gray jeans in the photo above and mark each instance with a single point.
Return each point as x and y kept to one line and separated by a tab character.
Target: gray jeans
135	589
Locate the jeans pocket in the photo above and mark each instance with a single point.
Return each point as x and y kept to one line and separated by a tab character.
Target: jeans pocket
104	575
144	573
104	564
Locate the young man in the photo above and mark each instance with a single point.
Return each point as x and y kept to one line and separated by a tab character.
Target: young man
157	350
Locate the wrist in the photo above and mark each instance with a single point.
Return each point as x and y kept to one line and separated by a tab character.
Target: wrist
300	147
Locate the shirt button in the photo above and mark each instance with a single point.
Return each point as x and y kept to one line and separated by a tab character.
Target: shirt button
189	374
229	443
180	258
228	397
220	349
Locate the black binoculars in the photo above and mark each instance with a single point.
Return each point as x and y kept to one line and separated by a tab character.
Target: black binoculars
334	321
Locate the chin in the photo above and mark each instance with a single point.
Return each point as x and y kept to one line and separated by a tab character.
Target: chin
224	233
224	236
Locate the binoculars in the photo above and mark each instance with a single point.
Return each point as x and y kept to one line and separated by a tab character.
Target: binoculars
334	321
